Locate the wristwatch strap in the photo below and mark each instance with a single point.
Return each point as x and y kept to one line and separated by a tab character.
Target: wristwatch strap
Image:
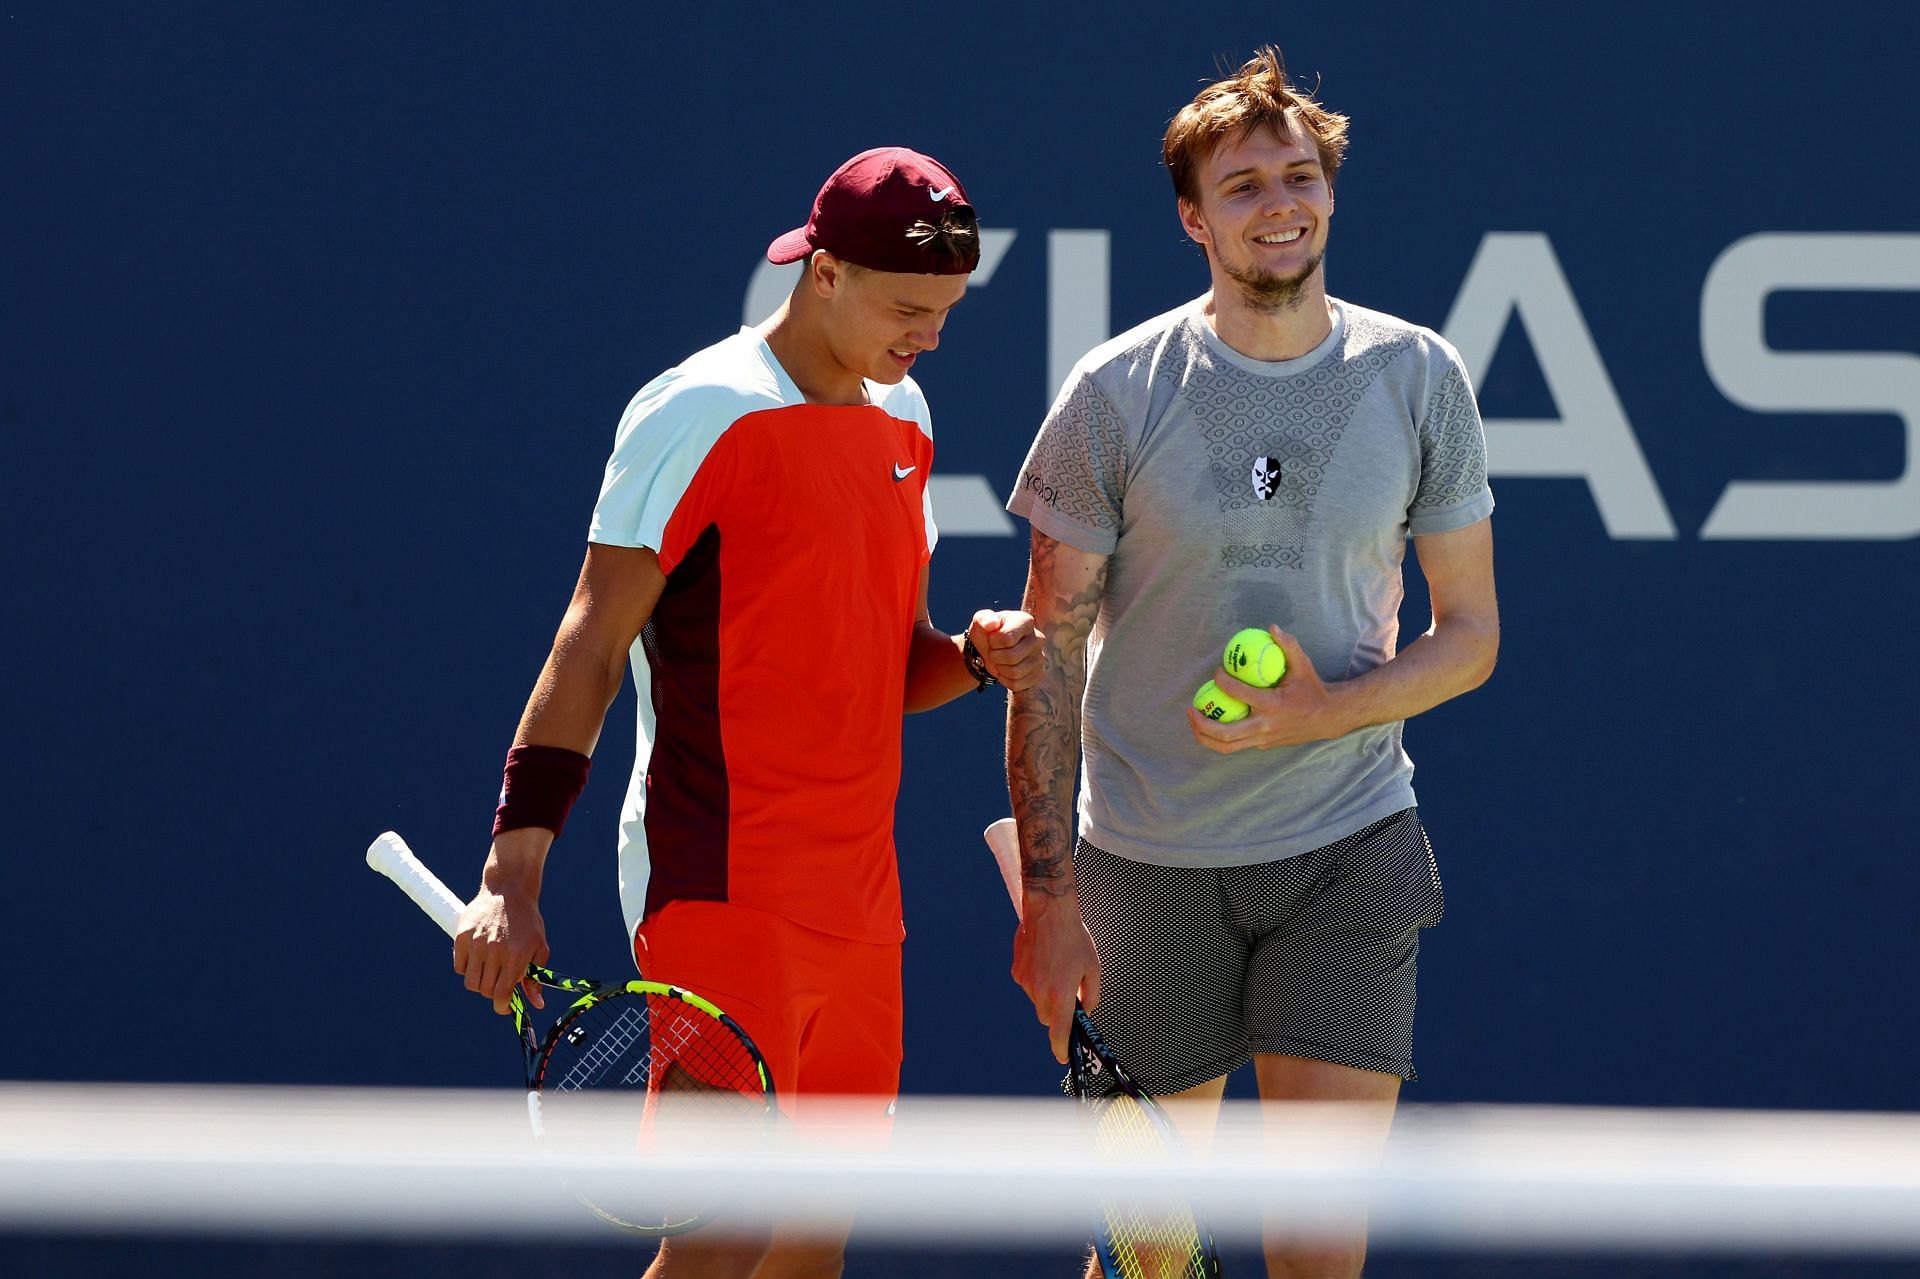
976	663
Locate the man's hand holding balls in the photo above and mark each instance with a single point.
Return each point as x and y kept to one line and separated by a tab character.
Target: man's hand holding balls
1280	698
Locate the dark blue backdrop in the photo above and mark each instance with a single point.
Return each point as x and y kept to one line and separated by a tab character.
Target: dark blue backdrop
316	324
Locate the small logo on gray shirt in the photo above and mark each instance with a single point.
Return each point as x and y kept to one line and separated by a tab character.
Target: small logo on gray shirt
1266	477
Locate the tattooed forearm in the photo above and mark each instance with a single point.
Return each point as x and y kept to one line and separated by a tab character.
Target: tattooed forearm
1064	588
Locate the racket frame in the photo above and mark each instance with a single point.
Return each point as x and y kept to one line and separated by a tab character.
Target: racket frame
389	855
1003	839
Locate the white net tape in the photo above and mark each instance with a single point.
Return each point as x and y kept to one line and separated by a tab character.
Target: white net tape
423	1164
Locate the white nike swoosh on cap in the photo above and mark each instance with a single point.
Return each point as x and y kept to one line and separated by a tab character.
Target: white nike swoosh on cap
902	472
941	194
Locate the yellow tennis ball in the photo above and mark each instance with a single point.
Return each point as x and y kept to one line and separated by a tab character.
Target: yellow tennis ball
1219	706
1254	657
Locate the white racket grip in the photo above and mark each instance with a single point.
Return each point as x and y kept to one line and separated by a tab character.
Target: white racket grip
1003	837
535	1114
390	856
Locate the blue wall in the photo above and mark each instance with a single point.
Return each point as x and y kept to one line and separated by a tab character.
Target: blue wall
316	325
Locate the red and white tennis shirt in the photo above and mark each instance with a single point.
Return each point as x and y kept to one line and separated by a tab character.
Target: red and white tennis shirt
772	675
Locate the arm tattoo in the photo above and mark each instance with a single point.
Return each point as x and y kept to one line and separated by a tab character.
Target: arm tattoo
1043	723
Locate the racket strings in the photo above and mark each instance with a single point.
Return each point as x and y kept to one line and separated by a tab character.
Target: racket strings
614	1049
1140	1237
1146	1238
686	1071
635	1040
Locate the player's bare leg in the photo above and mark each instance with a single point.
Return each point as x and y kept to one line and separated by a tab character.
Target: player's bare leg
679	1105
1194	1112
816	1250
1370	1097
691	1257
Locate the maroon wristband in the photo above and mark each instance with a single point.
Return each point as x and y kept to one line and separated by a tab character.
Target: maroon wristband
539	787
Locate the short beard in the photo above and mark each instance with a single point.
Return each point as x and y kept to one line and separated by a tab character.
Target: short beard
1265	291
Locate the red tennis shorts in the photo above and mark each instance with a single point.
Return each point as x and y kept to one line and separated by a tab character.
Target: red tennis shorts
824	1011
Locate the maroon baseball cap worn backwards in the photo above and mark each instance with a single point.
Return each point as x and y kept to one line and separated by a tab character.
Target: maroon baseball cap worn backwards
887	210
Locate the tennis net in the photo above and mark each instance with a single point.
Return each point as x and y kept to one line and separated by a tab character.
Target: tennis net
420	1166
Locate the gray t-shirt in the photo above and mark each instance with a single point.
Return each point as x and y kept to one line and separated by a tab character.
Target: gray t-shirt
1230	492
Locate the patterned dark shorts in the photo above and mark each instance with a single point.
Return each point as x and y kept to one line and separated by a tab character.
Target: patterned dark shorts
1312	956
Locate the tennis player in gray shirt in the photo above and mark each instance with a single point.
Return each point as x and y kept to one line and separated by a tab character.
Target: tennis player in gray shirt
1258	457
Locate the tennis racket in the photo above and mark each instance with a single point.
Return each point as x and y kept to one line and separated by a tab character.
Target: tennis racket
1134	1239
683	1062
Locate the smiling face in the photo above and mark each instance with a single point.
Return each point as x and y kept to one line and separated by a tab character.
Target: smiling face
878	322
1262	205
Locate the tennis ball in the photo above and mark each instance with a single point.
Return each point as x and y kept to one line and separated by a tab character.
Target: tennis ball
1254	657
1219	706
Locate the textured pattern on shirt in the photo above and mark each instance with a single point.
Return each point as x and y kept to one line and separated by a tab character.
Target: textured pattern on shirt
1229	492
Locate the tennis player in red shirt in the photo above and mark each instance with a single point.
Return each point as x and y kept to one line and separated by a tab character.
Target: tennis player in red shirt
758	558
